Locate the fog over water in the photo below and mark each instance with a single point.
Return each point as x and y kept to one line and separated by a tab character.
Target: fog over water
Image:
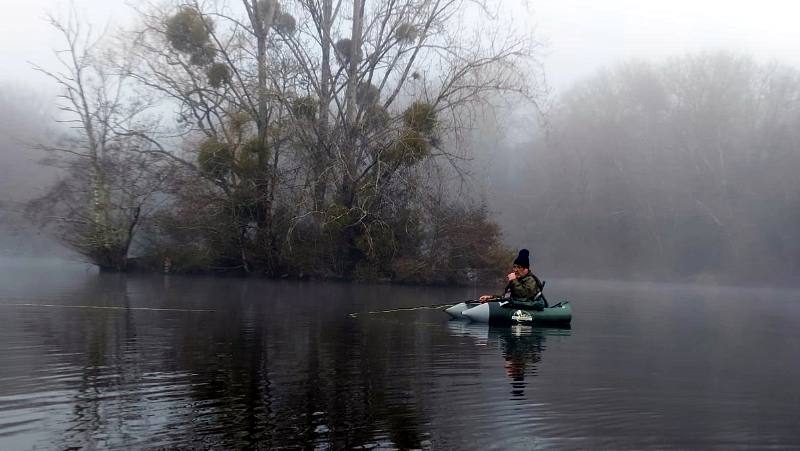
652	173
148	362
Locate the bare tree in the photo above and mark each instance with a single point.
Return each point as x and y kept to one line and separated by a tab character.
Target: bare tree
313	115
109	179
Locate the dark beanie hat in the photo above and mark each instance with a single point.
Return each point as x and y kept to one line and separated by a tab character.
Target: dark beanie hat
522	259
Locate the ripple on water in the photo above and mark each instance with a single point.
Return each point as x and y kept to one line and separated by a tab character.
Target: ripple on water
255	379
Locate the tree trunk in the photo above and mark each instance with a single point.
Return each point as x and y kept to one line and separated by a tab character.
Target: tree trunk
262	22
321	156
351	138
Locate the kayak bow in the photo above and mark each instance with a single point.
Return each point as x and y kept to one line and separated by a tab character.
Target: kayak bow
457	311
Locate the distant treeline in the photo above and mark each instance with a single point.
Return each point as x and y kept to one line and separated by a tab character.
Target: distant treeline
686	170
311	138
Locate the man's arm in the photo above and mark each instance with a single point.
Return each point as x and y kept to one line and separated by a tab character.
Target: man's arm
488	297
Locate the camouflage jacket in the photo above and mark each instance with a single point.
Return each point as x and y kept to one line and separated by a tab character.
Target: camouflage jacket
524	287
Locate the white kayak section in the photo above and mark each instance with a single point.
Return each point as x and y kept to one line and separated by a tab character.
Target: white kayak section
457	310
480	313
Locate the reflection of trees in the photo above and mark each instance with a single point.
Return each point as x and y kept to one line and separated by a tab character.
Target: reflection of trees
264	376
279	365
294	386
86	361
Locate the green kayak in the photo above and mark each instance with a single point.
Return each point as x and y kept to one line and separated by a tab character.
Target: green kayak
494	312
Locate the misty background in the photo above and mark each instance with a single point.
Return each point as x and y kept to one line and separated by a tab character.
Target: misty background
669	149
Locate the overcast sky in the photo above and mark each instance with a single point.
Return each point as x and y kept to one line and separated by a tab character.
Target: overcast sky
584	35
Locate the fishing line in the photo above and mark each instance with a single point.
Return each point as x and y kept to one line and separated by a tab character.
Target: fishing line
406	309
97	307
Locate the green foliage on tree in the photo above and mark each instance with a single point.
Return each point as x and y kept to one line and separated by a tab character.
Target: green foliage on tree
304	107
421	118
286	24
215	158
409	149
219	74
188	32
343	49
406	32
375	119
367	94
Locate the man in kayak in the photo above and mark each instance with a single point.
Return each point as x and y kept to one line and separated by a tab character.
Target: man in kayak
522	286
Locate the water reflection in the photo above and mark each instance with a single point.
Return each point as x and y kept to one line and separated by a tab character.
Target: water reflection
521	346
283	366
274	366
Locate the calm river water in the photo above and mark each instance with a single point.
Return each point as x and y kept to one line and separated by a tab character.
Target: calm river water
200	363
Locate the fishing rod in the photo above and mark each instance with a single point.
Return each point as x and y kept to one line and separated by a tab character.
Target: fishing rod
418	307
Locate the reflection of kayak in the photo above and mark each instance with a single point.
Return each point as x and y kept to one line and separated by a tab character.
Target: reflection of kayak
485	331
493	312
457	310
477	331
522	345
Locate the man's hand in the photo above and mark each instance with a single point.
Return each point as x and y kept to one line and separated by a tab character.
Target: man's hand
511	277
485	298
